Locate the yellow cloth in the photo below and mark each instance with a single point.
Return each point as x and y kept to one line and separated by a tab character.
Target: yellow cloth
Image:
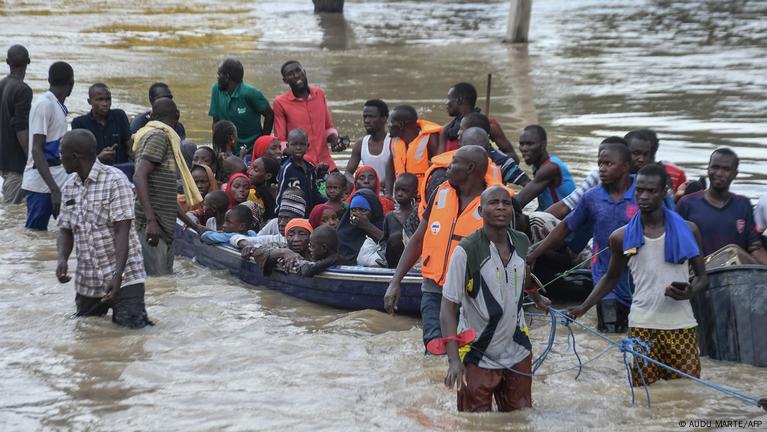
193	197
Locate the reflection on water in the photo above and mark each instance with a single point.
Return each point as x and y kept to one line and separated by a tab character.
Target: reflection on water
223	356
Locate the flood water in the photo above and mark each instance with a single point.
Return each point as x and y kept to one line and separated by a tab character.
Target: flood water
227	356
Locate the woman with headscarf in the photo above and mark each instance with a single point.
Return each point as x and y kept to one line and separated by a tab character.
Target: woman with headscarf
367	178
205	182
323	214
267	145
363	219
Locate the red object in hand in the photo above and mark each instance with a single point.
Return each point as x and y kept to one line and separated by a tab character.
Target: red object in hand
439	346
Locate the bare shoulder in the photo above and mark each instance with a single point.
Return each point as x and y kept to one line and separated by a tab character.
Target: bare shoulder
616	238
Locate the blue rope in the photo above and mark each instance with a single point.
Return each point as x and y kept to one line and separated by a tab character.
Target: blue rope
627	346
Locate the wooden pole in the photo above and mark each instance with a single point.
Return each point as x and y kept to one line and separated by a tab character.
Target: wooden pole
519	21
487	94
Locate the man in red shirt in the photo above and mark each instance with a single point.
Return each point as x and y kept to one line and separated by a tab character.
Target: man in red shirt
305	107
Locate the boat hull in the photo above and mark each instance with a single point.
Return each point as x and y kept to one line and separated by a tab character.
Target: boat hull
732	314
345	287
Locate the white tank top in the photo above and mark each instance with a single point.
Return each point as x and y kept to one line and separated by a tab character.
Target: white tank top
379	161
650	307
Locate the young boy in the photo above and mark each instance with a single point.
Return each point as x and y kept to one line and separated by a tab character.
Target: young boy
263	176
606	208
392	244
335	188
230	166
236	221
211	215
298	173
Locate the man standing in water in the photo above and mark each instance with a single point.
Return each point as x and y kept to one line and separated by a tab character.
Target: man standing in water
155	180
305	107
109	126
451	215
374	149
658	247
15	102
242	104
487	277
44	176
97	218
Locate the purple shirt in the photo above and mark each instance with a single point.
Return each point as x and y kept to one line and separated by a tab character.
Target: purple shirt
598	208
731	224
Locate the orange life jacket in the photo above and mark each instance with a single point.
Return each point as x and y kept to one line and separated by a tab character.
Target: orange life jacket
414	157
492	176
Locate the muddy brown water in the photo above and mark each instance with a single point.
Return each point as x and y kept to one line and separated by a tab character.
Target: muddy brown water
227	356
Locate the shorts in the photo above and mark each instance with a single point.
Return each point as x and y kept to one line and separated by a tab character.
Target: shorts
676	348
158	260
39	210
431	303
12	193
128	309
612	316
510	390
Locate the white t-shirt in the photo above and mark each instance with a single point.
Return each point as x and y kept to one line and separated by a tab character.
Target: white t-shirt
650	307
760	215
48	117
379	161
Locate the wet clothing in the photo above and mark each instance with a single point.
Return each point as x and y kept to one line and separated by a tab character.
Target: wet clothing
310	114
39	210
558	190
677	348
142	119
731	224
244	107
158	260
510	390
116	131
15	104
90	208
156	148
128	308
605	215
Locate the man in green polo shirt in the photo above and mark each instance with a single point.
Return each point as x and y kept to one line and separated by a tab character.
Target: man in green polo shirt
242	104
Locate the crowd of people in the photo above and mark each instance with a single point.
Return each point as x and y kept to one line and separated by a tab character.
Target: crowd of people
447	200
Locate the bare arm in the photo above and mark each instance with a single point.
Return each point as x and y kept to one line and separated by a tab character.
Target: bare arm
65	243
390	178
448	324
408	259
610	280
559	209
122	232
547	174
144	169
442	143
268	120
433	146
503	143
354	159
23	137
700	281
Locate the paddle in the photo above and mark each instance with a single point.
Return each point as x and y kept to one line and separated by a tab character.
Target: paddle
438	346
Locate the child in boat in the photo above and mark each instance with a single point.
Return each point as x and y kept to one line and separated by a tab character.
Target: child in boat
224	139
205	181
367	178
267	145
211	215
263	176
296	172
335	189
236	221
205	155
323	214
361	228
296	239
237	191
323	244
392	244
292	205
230	166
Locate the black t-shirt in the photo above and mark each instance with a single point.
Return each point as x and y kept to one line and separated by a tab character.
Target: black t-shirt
15	103
115	132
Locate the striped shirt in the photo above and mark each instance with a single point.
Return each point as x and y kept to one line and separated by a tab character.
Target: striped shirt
161	183
575	196
90	209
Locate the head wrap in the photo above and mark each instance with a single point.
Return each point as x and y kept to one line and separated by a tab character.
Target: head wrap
298	223
386	203
350	237
211	176
360	202
294	204
234	177
261	145
315	217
